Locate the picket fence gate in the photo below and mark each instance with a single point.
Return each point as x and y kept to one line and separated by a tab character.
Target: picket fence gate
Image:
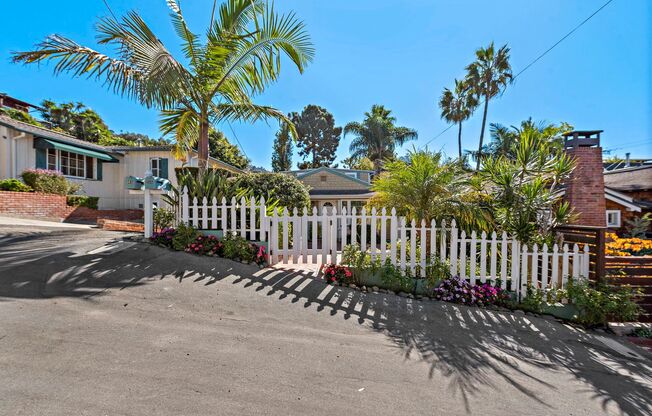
307	237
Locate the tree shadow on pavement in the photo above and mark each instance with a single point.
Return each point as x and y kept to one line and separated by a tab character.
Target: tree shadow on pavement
470	347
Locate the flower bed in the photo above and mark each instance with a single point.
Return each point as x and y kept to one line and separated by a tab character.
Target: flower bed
617	246
458	290
190	240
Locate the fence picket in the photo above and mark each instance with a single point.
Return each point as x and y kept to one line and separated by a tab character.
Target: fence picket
524	273
515	277
252	219
383	235
224	217
354	226
304	236
313	228
204	213
195	213
483	257
393	237
463	255
286	230
325	233
185	212
234	219
422	260
554	276
544	266
433	240
372	244
442	242
453	248
473	257
494	255
333	236
214	213
363	230
534	271
576	261
413	248
402	264
503	261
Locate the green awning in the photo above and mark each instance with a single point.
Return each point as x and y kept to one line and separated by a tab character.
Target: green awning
42	143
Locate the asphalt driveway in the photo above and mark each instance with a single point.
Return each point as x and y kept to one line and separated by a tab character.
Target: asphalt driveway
92	325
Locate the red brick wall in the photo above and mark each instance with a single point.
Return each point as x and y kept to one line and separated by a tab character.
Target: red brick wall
585	189
28	205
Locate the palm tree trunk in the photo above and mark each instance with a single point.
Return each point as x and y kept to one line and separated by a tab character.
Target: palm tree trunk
377	166
203	145
484	121
459	141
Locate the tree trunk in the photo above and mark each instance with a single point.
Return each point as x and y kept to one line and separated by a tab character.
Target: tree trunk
377	166
459	141
203	145
484	121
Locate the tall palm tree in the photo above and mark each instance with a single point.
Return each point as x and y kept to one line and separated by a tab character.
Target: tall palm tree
457	106
488	76
377	137
238	57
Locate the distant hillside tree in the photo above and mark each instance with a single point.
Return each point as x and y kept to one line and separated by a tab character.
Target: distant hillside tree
362	163
282	150
77	120
222	149
318	137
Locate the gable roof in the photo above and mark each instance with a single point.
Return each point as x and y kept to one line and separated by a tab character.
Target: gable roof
638	178
50	134
622	199
37	131
305	174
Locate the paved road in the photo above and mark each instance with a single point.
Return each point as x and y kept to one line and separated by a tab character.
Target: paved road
138	330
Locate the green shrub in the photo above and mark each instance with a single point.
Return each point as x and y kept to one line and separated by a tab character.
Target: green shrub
184	235
14	185
163	218
82	201
599	302
236	247
49	182
286	189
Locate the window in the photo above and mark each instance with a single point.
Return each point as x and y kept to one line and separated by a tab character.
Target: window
155	166
351	174
70	164
613	218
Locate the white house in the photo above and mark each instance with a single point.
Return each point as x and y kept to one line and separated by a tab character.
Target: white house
100	170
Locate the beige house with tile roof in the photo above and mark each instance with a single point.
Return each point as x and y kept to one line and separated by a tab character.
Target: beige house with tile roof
339	188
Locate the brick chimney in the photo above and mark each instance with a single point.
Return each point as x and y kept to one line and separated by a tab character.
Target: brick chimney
585	188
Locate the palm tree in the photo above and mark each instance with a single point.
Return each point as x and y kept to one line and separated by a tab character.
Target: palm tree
457	107
488	76
377	137
426	186
240	56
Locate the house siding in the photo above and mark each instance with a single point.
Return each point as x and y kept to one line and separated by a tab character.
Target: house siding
333	181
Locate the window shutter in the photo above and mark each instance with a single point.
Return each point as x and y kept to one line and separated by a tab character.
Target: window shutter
41	159
99	170
163	167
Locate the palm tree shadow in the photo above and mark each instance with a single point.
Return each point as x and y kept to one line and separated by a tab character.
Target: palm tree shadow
470	347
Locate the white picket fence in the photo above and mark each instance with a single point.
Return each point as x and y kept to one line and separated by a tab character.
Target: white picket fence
306	237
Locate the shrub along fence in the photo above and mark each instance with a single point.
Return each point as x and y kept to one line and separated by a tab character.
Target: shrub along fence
307	237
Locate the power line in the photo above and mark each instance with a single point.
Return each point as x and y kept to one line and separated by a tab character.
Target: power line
535	60
236	139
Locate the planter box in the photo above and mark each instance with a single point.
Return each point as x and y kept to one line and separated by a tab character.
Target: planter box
368	278
559	310
219	234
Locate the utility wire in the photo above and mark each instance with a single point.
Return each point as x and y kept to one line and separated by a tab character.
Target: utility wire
535	60
237	140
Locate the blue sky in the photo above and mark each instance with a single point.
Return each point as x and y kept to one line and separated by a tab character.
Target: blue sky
397	53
